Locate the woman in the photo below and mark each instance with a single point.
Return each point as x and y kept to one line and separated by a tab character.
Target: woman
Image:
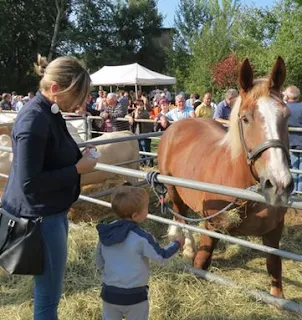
45	176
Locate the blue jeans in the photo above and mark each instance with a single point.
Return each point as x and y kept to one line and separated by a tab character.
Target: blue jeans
296	161
48	286
145	146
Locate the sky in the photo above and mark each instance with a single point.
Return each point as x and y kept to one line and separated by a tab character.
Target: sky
168	8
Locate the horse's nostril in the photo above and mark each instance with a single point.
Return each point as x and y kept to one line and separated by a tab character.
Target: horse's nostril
290	186
267	184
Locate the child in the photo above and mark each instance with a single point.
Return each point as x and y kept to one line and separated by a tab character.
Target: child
123	255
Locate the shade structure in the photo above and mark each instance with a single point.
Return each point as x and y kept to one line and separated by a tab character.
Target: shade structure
130	74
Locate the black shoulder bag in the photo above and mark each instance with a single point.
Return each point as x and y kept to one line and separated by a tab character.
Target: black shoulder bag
21	244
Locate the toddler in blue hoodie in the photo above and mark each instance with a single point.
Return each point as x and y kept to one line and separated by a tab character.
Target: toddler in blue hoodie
123	255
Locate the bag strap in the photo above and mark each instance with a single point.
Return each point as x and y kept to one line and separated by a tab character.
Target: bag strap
6	227
7	224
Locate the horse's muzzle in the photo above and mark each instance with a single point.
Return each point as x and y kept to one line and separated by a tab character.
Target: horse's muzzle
275	193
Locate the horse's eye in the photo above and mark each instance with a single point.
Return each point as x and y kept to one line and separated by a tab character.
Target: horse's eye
245	120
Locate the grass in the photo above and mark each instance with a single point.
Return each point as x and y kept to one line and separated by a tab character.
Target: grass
173	293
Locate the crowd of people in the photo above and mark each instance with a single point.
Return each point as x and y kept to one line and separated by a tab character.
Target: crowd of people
13	101
157	106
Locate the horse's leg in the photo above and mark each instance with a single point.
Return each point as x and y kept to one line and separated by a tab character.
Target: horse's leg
203	257
273	262
175	231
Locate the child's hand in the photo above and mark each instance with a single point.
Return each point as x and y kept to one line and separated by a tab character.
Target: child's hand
181	240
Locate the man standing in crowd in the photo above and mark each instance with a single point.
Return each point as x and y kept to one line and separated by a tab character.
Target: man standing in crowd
292	96
205	110
112	111
5	104
181	111
224	108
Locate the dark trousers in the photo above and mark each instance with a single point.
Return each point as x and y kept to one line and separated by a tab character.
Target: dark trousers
145	145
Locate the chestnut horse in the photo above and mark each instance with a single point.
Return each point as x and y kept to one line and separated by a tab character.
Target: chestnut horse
255	148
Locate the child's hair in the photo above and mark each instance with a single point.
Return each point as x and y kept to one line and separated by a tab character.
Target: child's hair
128	200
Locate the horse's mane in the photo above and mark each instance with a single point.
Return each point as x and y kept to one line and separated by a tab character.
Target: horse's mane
232	138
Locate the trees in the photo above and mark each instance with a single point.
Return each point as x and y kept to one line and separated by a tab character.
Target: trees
137	24
26	29
212	44
288	42
261	34
98	32
190	18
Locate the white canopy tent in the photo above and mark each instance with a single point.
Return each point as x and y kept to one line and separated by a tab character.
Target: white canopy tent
130	74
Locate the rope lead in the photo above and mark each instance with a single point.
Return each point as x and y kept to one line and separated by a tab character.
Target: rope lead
158	188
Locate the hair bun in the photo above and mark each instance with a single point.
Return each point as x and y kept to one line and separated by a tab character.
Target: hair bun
41	65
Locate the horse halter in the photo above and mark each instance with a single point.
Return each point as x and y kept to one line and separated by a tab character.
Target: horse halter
252	155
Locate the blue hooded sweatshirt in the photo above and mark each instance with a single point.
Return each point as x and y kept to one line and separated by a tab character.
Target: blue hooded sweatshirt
123	254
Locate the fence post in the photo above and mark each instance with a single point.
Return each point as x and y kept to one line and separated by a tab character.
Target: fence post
89	128
85	127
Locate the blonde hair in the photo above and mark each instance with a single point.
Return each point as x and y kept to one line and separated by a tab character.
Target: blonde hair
128	200
70	75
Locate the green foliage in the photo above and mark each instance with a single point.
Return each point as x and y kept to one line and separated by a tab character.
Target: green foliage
26	28
261	34
99	32
190	18
288	43
255	39
214	43
88	33
138	24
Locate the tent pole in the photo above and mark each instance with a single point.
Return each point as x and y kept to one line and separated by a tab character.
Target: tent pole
136	91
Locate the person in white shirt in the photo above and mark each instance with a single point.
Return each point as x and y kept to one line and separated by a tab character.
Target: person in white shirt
181	111
100	101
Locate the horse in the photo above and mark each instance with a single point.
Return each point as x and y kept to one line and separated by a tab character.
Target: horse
253	150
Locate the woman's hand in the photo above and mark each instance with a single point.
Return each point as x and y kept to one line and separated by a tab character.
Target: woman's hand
88	161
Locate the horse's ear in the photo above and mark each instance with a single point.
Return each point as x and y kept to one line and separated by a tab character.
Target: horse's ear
246	76
278	74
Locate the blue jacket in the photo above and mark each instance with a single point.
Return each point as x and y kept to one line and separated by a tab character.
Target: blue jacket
123	254
295	120
223	111
43	179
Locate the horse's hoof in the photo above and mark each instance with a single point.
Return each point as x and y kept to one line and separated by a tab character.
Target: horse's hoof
277	293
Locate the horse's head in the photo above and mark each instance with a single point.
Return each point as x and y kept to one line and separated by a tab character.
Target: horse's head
261	117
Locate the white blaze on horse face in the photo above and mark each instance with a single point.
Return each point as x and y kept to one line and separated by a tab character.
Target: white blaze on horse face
277	167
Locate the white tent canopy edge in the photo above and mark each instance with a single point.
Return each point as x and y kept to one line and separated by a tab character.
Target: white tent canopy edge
131	74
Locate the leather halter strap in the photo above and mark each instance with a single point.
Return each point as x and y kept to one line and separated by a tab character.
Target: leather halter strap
252	155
